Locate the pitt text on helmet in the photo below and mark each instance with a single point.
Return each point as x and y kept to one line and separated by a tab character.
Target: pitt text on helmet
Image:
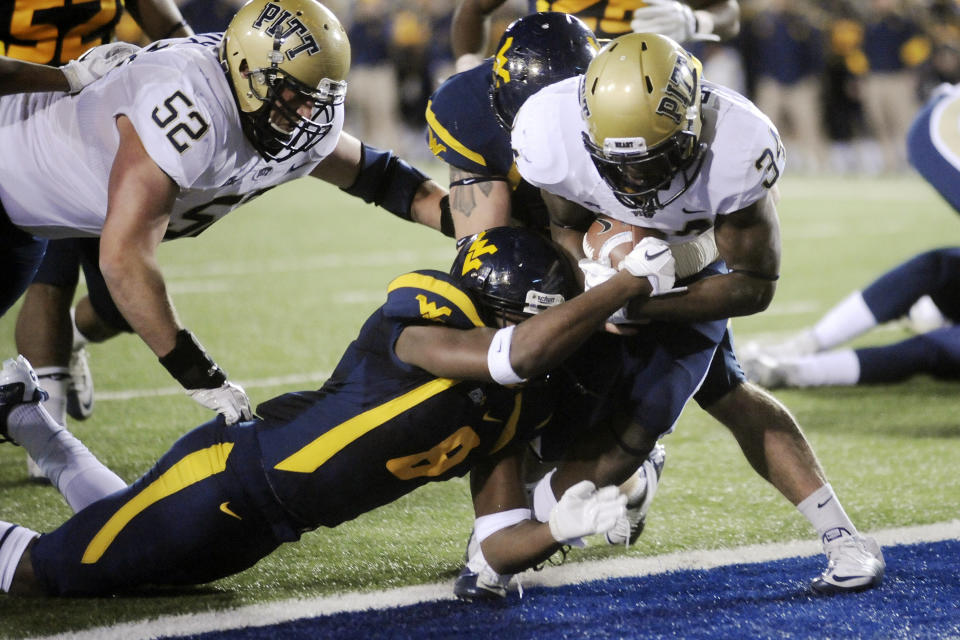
678	96
281	24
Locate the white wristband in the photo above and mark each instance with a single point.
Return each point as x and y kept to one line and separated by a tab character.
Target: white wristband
498	357
486	526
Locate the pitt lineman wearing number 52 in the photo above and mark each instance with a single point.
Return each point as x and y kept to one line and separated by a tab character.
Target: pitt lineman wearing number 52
171	140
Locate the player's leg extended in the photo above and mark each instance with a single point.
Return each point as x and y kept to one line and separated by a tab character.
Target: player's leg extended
936	353
187	521
774	444
935	273
79	476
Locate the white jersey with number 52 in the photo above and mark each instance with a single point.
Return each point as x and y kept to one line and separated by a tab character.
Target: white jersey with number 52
744	159
58	149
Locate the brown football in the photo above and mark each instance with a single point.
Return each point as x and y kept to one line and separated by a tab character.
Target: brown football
608	240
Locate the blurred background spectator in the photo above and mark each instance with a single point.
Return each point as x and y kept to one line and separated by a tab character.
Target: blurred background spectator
895	45
373	96
783	45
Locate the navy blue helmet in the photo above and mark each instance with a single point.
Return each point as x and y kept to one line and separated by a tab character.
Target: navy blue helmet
535	51
512	271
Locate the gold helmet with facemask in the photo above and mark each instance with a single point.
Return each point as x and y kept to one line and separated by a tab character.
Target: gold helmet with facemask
640	99
287	62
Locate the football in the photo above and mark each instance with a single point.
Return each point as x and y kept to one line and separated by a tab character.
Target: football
608	240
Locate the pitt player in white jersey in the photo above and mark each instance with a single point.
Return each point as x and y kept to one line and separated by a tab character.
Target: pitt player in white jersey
178	100
717	154
640	137
172	139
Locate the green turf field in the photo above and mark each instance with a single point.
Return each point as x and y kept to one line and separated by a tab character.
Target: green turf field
280	287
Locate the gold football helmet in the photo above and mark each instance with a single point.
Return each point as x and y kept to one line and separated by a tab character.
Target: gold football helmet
287	62
640	99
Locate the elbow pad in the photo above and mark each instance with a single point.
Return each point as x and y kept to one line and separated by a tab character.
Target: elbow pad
694	255
386	180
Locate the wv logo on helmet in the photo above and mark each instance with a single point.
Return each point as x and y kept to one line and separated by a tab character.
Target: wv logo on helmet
281	23
479	247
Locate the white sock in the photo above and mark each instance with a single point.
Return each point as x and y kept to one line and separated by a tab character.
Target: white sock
845	321
79	340
543	499
13	542
69	465
838	368
824	511
54	380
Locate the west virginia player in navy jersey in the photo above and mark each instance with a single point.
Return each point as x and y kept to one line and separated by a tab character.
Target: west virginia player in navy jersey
414	399
468	126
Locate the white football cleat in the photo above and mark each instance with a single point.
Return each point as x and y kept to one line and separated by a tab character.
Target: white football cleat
803	343
854	563
640	489
763	370
18	385
80	387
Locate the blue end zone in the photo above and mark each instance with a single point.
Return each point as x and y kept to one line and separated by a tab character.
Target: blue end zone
918	599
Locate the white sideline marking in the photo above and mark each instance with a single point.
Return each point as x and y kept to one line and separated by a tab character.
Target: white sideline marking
322	262
276	612
276	381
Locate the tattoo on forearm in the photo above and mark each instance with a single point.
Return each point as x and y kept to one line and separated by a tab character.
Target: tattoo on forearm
463	198
462	201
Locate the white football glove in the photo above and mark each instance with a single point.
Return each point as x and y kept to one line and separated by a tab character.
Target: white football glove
229	400
95	63
673	19
583	511
652	259
594	273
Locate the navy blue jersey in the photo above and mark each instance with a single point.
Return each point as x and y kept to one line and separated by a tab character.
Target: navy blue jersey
379	427
225	496
463	131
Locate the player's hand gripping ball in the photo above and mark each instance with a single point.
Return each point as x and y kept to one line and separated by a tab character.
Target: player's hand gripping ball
608	241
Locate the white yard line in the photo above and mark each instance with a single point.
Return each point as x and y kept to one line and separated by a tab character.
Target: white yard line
277	381
277	612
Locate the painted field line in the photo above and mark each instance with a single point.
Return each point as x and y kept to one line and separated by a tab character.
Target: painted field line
315	377
300	263
282	611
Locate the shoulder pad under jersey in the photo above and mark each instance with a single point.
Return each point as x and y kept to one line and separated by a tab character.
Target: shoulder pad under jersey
462	129
431	295
539	133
